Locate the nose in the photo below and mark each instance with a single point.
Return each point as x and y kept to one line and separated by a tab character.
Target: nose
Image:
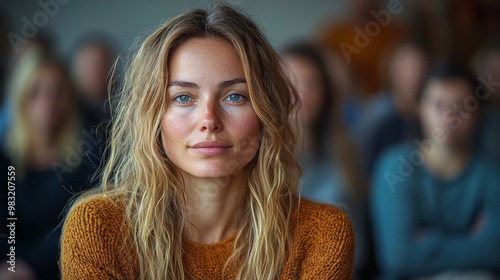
210	117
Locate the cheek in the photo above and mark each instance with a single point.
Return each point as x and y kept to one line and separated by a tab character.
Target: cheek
247	123
37	110
468	124
174	130
245	128
427	116
435	117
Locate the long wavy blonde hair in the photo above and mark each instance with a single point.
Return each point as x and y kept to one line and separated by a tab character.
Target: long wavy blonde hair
139	174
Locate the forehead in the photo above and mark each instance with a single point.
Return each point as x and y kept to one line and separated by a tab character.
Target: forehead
452	90
205	58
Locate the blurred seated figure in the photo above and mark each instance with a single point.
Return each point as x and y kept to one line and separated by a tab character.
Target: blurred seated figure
487	65
348	93
390	116
330	167
434	201
92	62
44	147
364	37
91	65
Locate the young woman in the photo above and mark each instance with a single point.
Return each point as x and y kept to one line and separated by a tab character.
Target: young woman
201	180
42	150
435	200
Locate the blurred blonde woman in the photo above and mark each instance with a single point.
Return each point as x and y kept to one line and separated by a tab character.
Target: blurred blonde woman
44	112
201	180
43	132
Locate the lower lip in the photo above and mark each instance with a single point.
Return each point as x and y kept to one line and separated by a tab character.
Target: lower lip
213	151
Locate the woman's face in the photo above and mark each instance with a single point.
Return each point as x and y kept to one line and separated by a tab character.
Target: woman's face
49	99
210	128
446	106
306	78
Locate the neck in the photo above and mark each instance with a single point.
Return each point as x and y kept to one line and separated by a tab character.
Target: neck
214	207
448	161
404	109
44	149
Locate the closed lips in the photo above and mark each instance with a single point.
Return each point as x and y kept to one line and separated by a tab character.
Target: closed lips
211	148
211	145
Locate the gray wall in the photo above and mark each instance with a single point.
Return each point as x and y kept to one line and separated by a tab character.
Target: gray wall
281	20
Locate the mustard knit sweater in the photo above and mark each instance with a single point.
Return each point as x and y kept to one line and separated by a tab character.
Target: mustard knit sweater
93	246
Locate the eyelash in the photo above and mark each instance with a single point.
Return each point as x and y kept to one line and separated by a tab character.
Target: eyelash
243	98
175	98
181	95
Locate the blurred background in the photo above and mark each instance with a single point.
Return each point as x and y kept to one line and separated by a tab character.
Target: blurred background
124	20
400	104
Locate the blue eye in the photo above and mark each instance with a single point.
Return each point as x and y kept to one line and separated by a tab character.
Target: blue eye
235	97
183	98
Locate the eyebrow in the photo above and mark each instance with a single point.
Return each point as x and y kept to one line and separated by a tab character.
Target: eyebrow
223	84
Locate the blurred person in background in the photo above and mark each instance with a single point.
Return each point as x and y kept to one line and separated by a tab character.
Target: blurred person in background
40	43
92	62
487	66
347	90
365	51
331	172
43	144
435	201
391	115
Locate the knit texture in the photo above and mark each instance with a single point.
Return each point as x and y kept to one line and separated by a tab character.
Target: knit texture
95	246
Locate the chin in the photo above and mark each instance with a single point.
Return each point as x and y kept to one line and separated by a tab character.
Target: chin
212	169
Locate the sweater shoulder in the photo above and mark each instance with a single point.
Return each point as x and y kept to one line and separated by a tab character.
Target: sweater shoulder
93	242
312	218
322	242
318	210
97	207
96	215
94	220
